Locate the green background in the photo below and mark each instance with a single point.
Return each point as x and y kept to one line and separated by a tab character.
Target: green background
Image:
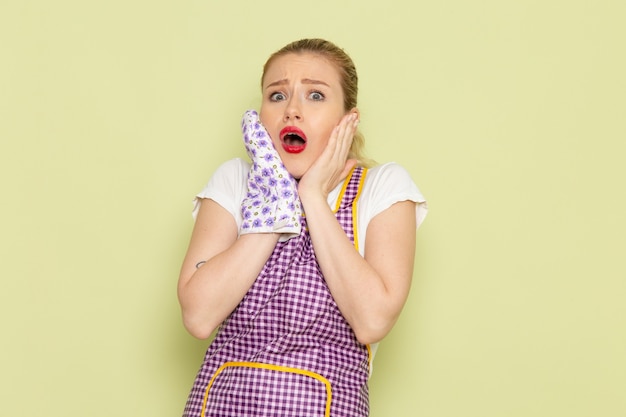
510	116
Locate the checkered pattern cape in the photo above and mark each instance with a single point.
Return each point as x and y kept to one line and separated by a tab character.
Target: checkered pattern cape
286	350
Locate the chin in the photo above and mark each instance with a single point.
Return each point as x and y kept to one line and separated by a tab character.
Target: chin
295	168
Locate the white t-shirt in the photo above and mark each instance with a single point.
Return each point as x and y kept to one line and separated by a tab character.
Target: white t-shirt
384	186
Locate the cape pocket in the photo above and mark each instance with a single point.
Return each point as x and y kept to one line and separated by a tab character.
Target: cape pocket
258	389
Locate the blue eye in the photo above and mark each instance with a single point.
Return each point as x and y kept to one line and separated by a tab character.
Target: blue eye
277	96
316	96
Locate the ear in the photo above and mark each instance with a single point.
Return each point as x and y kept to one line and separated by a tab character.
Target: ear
358	113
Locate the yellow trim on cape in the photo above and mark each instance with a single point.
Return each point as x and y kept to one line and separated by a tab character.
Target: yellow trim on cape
270	367
355	229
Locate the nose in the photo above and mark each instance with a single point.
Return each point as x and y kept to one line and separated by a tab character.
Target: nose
292	111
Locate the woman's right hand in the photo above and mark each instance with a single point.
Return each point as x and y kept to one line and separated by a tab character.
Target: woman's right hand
271	204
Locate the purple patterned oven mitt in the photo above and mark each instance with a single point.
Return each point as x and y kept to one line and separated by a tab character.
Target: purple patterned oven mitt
271	204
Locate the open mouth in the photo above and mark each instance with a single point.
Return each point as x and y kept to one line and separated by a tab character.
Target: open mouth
293	139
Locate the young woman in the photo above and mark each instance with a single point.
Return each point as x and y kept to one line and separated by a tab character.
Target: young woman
304	257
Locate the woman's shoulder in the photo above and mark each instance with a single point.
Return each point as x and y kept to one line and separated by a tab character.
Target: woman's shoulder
226	186
232	166
387	184
390	174
229	174
387	167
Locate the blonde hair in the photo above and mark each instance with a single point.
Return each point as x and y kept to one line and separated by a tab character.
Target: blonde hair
348	77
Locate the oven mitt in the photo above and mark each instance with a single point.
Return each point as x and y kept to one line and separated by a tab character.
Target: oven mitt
271	204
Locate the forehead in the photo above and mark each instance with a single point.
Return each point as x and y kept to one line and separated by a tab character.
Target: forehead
296	66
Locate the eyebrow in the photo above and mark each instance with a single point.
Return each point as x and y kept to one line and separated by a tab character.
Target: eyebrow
304	81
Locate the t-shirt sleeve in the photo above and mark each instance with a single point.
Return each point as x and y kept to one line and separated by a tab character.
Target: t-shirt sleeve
391	184
226	187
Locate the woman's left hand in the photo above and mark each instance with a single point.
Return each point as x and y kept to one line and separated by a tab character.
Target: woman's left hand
333	164
369	290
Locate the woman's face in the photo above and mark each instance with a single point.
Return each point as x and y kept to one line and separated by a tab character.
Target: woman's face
302	103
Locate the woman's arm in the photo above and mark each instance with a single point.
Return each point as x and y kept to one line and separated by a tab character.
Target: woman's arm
369	291
208	294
